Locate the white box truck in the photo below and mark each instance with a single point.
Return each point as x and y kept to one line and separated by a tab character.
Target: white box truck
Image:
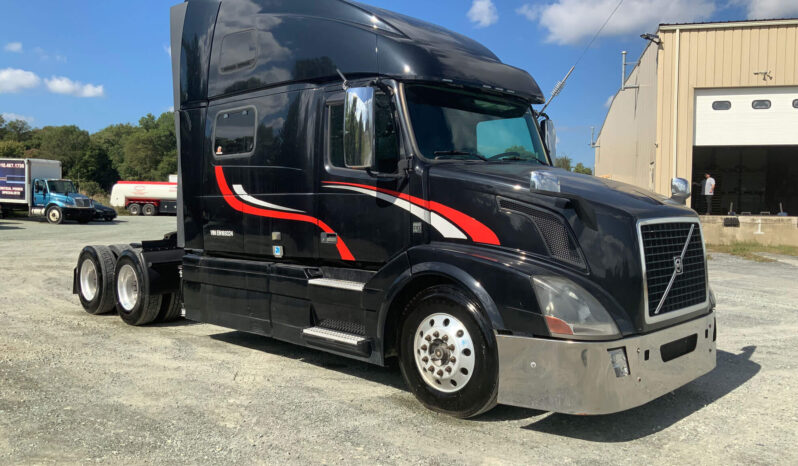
35	185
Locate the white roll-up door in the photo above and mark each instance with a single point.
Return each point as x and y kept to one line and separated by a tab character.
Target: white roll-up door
728	117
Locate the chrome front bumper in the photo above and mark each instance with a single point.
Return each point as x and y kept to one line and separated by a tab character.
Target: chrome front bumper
577	377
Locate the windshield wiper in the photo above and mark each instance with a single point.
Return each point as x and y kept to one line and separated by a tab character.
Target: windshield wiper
458	152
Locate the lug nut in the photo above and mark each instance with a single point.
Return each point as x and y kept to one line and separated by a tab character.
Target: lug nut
424	347
451	347
428	338
448	369
459	333
435	334
432	369
445	338
452	360
424	359
440	372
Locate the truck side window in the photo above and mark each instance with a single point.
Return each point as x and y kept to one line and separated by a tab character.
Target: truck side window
386	143
235	132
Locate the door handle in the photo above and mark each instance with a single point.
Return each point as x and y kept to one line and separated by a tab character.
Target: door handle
329	238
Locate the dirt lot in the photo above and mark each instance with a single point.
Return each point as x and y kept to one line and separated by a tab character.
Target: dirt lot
79	388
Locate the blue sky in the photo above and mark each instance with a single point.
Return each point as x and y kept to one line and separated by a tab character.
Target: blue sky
95	63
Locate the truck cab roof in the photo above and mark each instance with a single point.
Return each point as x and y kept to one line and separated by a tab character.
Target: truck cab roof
243	45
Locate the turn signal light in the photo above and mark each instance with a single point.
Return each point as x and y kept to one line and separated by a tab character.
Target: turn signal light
558	326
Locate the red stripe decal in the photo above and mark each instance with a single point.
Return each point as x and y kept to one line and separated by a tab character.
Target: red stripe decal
475	229
147	182
233	202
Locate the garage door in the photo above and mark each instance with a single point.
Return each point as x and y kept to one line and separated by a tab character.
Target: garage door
746	117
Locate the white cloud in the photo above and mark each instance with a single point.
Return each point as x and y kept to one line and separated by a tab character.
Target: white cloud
528	11
63	85
15	47
609	100
769	9
46	56
575	21
14	80
167	50
483	13
16	116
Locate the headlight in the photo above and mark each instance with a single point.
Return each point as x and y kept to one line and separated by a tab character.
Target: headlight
570	311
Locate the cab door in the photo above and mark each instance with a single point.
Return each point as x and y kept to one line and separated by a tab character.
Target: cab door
39	192
364	212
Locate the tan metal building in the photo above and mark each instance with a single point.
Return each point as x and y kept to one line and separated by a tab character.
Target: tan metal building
711	97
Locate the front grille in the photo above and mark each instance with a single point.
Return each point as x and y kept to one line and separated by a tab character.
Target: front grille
557	237
663	243
82	203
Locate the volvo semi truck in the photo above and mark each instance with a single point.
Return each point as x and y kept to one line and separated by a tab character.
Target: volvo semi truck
364	183
146	197
35	186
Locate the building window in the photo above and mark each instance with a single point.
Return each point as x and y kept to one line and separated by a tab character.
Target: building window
234	132
795	103
760	104
721	105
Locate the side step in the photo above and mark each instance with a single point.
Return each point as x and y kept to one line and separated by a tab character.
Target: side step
340	284
336	340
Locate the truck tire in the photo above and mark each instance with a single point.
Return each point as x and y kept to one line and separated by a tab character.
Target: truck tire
148	210
171	305
448	362
55	215
95	279
117	249
133	301
134	209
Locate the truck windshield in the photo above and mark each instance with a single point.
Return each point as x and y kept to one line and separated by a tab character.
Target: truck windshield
459	125
61	186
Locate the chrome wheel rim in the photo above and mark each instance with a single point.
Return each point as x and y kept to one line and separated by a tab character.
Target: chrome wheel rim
88	280
444	352
54	215
127	287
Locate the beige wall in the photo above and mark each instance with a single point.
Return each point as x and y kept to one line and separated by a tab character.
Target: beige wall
721	55
626	143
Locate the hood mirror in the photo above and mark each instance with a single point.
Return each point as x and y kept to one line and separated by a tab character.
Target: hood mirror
680	190
359	127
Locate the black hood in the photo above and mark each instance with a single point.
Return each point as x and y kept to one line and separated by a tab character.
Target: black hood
512	180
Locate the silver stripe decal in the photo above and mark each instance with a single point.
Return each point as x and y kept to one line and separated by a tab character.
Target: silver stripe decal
243	194
675	271
332	283
443	226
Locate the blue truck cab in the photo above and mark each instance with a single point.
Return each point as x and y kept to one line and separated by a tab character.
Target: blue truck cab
58	200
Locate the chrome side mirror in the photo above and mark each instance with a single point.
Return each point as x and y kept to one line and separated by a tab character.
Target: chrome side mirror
359	127
549	137
680	190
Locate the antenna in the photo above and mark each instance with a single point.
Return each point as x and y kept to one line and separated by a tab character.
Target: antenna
561	84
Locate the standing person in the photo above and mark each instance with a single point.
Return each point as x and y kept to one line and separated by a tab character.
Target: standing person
708	190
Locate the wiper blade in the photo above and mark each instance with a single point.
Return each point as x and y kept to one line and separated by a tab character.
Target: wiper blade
458	152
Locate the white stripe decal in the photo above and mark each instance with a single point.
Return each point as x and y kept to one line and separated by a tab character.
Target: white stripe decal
243	195
443	226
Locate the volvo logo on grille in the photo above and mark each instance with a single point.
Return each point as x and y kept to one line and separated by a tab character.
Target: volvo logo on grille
678	266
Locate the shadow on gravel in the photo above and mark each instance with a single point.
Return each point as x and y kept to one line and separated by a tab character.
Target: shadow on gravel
385	375
732	371
5	225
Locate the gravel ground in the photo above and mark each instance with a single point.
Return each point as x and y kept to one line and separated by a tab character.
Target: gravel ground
76	388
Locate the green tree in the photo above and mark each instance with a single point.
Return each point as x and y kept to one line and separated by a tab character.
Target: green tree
2	128
580	168
65	143
17	130
12	149
563	162
112	139
94	168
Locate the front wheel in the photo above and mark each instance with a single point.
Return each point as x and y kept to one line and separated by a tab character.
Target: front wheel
447	360
55	215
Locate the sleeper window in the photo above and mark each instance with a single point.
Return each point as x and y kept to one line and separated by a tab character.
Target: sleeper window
386	144
235	132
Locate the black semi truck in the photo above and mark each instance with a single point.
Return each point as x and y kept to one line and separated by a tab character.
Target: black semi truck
368	184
